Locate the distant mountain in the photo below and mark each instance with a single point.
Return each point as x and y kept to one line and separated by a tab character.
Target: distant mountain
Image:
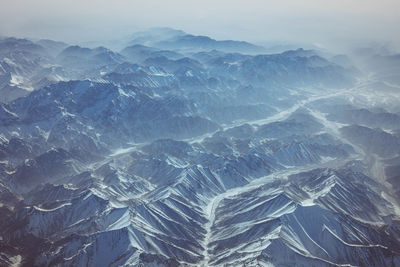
200	43
53	47
154	35
170	39
85	58
138	53
13	45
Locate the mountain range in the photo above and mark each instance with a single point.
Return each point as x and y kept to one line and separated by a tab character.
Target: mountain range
181	150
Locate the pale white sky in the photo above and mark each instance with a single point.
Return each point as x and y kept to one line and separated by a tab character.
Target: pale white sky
322	22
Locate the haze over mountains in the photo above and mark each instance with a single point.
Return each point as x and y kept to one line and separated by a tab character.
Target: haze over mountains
183	150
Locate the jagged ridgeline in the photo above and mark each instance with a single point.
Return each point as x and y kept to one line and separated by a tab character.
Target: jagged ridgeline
181	150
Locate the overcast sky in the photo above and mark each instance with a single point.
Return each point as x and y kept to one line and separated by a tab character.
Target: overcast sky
320	22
